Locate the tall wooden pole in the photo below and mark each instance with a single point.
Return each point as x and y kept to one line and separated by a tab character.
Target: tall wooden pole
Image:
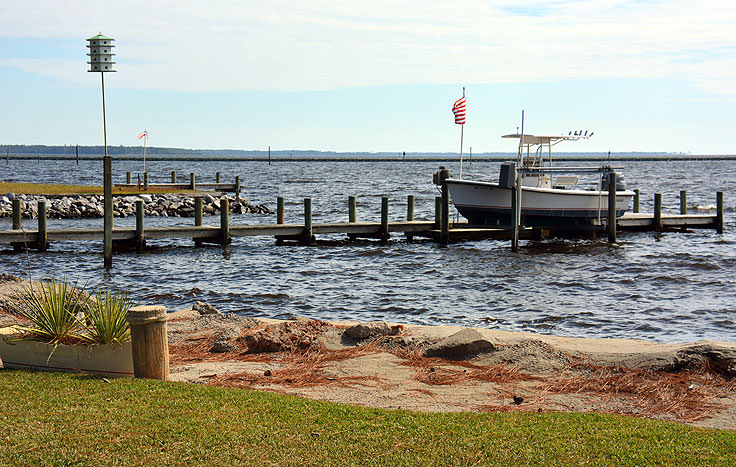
107	188
612	207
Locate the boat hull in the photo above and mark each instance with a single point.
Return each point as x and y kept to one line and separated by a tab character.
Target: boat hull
485	203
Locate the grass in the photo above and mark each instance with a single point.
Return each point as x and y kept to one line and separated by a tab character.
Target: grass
62	419
52	189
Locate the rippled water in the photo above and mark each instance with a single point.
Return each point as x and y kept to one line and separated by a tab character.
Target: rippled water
669	287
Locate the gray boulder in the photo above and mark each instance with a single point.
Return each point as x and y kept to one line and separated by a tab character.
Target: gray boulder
461	345
371	330
205	309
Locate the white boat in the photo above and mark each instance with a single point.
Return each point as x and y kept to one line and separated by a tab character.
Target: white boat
550	195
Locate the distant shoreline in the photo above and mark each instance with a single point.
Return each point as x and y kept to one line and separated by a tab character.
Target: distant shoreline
323	158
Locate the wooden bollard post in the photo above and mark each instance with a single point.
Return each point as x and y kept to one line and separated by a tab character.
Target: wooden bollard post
683	202
128	179
192	181
516	213
149	342
217	177
385	236
636	200
280	210
719	212
140	239
445	224
409	215
612	207
352	209
237	187
42	232
224	221
437	212
657	212
198	216
308	237
173	176
145	180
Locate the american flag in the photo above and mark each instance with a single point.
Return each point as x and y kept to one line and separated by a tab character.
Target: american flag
458	108
144	134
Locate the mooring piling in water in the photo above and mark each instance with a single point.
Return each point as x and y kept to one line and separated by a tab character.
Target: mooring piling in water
280	210
308	235
657	220
42	231
719	212
683	202
197	217
140	239
409	215
612	207
352	209
636	201
173	176
383	233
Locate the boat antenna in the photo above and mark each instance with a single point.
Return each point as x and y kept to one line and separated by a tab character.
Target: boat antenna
521	140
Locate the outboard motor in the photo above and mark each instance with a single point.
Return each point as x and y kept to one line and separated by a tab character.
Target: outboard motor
507	177
620	182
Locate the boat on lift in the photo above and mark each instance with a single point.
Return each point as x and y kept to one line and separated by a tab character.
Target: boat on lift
551	196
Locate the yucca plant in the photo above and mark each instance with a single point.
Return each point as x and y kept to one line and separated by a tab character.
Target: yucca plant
105	318
52	308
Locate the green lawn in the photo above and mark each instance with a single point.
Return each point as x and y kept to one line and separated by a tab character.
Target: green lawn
62	419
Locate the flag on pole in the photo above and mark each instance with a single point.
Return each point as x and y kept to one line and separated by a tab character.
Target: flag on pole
458	108
144	134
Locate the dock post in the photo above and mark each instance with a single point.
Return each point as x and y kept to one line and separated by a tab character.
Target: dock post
384	220
445	224
657	212
516	214
683	202
636	200
308	237
612	207
719	212
224	220
237	187
197	217
140	240
352	209
409	215
280	210
17	214
437	212
42	234
149	342
128	179
217	177
173	176
192	182
145	180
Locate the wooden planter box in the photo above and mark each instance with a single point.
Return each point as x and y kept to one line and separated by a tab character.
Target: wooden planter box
101	359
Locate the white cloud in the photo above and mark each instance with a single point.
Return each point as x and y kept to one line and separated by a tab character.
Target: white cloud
317	45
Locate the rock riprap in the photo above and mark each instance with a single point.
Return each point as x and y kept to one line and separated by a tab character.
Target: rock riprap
91	206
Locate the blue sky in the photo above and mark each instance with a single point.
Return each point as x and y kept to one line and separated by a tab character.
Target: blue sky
373	76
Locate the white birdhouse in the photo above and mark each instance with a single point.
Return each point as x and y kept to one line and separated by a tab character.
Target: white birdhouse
100	53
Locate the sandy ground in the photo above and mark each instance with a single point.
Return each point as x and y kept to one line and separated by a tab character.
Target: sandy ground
448	368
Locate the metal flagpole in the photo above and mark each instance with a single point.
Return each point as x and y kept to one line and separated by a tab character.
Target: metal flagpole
107	188
145	138
462	127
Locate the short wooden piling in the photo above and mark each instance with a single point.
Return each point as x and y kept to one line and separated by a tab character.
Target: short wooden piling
140	239
657	220
308	237
192	181
385	236
683	202
198	216
149	342
237	187
225	221
280	210
145	180
409	214
128	179
17	214
173	176
217	177
612	207
352	209
636	200
42	230
719	212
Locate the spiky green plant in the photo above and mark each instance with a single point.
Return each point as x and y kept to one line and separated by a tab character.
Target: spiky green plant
52	308
105	319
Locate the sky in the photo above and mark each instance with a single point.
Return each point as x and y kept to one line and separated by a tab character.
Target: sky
377	76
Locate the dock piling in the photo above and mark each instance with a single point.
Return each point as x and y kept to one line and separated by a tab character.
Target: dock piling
237	187
516	213
657	220
217	177
719	212
145	180
683	202
224	221
280	210
197	217
437	212
173	176
636	201
128	179
140	240
384	235
352	209
17	214
612	207
409	215
42	231
192	181
308	237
